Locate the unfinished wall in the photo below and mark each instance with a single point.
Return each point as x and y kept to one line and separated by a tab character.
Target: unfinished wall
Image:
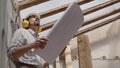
7	27
3	33
105	44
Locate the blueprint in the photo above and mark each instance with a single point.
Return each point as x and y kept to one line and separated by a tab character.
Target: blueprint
61	33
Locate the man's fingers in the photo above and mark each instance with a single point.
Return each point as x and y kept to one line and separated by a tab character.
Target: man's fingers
42	41
43	38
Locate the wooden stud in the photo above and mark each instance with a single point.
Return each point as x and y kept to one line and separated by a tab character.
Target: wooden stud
57	64
84	52
68	58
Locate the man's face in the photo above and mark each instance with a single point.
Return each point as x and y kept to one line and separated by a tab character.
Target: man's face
34	23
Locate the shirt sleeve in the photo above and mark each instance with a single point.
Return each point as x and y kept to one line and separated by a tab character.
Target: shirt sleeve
17	41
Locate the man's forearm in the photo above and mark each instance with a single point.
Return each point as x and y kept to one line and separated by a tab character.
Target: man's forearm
19	51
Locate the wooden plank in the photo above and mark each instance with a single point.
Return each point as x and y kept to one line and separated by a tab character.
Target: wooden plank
49	25
100	6
68	58
98	25
57	63
80	2
28	3
91	28
95	8
15	4
60	8
84	52
102	16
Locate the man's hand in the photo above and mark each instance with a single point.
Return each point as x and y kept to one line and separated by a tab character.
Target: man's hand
40	43
45	65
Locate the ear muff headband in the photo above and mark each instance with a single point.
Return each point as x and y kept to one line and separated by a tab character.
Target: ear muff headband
39	29
26	25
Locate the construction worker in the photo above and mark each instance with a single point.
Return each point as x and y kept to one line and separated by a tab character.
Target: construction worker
25	41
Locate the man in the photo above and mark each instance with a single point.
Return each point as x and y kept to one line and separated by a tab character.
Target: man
24	42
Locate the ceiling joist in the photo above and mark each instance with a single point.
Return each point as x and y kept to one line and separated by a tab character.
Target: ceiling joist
102	16
61	8
95	8
49	25
28	3
98	25
90	10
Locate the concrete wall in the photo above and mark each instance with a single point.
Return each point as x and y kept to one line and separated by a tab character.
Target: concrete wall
105	44
7	27
3	33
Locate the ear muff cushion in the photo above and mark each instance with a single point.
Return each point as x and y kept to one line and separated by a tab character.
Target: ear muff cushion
25	24
39	29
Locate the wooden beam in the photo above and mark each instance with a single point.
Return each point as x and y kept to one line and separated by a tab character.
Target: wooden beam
57	63
47	26
15	4
84	52
90	10
101	17
68	57
61	8
100	6
98	25
28	3
80	2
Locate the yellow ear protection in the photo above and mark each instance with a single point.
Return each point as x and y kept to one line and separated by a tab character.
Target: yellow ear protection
26	24
39	29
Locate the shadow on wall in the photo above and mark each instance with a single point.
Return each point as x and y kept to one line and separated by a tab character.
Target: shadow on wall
109	47
105	41
114	33
113	37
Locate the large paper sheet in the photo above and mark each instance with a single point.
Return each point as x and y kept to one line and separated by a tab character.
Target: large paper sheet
61	33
